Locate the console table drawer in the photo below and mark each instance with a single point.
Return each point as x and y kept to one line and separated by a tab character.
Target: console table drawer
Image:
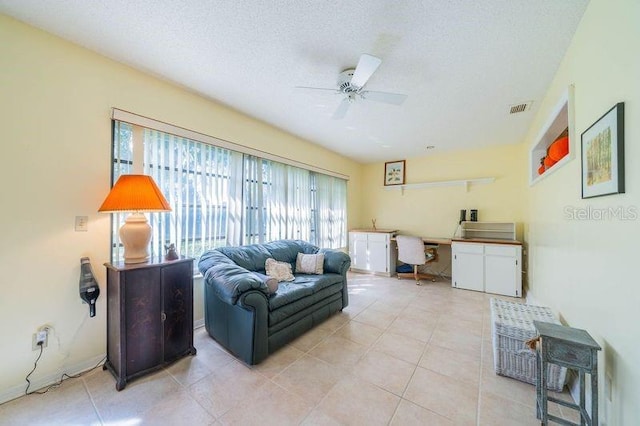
569	354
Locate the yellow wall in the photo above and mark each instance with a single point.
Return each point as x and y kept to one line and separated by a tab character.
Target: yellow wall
434	211
586	269
56	100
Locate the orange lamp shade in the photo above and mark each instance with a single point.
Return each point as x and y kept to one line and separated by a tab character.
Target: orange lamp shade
135	193
559	148
548	162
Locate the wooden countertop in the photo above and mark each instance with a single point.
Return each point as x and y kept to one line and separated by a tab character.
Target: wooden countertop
486	241
380	231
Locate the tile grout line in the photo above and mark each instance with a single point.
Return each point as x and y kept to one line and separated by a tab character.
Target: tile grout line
482	361
93	402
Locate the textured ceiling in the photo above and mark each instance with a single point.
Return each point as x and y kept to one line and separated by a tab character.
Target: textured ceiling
462	62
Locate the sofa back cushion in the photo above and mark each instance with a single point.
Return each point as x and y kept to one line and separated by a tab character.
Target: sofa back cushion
251	257
287	250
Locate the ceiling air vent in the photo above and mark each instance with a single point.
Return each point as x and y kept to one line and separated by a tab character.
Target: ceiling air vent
516	108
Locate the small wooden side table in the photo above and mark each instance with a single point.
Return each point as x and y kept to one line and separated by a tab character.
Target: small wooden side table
572	348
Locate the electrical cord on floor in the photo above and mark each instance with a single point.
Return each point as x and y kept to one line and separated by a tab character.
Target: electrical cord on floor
59	382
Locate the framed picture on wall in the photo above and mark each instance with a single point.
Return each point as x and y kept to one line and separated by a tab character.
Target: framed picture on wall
603	155
394	172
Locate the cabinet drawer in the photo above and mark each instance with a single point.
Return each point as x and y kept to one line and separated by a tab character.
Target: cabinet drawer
569	354
468	248
500	250
377	238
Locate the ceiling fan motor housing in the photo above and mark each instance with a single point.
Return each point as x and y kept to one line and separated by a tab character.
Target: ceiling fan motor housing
344	81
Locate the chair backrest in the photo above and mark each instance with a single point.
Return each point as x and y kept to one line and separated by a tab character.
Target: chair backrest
411	250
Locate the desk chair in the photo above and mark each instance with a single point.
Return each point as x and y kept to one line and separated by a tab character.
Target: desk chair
411	250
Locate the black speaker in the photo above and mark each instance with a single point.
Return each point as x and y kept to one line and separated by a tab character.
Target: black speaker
463	216
474	215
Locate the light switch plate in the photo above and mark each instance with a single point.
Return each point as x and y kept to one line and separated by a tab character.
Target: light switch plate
82	223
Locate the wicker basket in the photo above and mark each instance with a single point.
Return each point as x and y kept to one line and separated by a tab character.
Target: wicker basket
511	327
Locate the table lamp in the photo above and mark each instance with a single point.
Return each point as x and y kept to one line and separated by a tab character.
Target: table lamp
136	194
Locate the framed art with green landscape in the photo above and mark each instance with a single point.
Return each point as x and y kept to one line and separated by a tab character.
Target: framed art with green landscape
603	155
394	172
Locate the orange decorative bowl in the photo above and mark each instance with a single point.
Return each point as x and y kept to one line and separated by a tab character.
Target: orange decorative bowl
548	162
558	149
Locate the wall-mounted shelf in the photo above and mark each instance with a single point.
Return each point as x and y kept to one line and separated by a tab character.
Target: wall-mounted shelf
493	230
461	182
561	118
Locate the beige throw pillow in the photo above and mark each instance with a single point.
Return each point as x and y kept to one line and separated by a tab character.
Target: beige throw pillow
309	263
278	270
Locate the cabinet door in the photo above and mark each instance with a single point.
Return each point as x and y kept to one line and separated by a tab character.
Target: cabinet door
378	253
502	271
358	250
468	267
177	290
142	319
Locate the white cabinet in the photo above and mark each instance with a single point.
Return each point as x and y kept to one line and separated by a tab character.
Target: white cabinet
358	250
489	267
372	252
468	266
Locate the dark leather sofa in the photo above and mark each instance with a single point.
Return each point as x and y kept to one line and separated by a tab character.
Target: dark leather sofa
250	322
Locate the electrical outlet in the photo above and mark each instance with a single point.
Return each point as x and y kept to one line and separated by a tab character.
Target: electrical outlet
608	392
40	338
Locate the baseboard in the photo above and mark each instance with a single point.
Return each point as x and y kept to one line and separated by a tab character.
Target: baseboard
18	390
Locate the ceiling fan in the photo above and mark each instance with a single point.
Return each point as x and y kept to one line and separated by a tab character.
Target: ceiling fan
351	83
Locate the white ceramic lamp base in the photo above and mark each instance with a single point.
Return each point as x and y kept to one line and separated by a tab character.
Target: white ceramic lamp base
135	235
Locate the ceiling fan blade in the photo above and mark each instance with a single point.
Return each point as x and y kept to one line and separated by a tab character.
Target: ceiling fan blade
316	89
387	98
342	109
367	65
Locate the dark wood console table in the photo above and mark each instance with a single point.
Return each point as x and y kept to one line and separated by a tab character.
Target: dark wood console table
149	316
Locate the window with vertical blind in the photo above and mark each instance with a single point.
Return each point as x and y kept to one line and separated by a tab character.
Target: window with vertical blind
222	197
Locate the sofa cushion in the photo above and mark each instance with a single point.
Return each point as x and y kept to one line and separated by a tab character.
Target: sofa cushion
251	257
292	312
302	286
287	250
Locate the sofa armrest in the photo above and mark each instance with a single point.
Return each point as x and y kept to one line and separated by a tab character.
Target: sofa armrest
228	280
336	261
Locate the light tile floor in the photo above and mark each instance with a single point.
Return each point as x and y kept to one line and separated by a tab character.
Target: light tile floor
400	354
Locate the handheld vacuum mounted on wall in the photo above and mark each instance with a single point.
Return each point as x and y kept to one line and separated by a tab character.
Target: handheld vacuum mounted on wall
89	290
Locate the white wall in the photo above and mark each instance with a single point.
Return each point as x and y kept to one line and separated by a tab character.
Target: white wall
585	269
56	100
